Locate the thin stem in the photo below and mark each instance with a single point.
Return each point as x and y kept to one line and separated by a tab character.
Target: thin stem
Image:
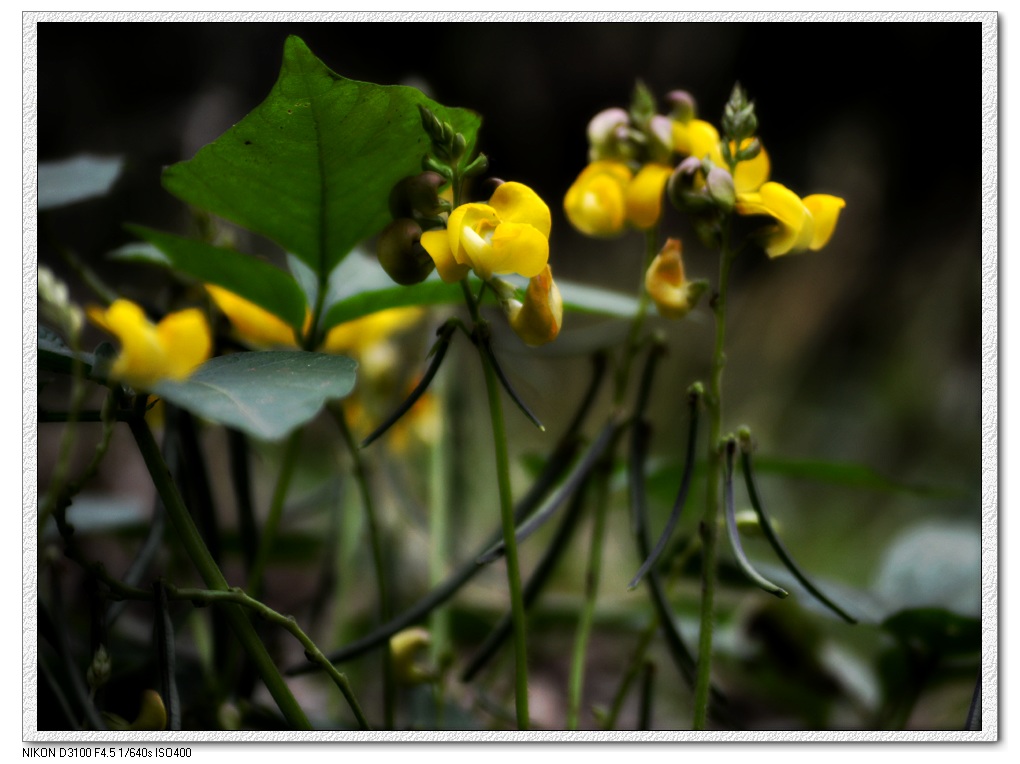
513	568
594	574
258	566
634	668
710	520
211	574
384	604
237	597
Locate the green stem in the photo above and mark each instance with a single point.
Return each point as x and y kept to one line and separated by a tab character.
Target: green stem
506	512
710	520
513	568
258	566
384	604
584	627
213	577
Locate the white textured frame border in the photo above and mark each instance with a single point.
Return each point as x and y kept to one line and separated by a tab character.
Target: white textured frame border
989	390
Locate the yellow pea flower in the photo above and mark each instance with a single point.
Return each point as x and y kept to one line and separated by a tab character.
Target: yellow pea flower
366	339
510	234
644	195
257	326
171	349
674	296
801	224
596	203
607	196
538	320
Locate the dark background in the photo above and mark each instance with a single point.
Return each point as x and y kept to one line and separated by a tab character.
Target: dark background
867	352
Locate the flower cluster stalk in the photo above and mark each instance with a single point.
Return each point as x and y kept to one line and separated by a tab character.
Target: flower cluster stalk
710	520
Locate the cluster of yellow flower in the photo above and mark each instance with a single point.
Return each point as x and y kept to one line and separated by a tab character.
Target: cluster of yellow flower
631	167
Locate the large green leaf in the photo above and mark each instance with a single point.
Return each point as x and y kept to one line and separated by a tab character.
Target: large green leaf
312	166
265	394
255	280
359	286
76	179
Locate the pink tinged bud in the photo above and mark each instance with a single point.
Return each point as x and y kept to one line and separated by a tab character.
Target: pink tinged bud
681	105
603	125
720	187
538	320
660	129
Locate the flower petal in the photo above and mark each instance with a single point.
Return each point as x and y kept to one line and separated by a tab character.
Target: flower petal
596	202
644	195
517	203
361	334
437	244
516	248
256	326
825	210
186	342
750	175
480	218
538	320
696	138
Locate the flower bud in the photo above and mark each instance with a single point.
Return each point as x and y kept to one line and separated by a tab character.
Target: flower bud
673	295
405	647
739	120
99	670
603	125
660	143
595	204
401	254
720	187
681	105
538	320
684	187
417	196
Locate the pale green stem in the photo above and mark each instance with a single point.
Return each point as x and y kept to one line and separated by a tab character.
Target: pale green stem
584	626
196	549
710	520
384	607
506	511
272	524
439	551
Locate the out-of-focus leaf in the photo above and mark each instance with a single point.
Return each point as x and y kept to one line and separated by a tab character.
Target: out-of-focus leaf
76	179
846	474
312	166
936	630
255	280
932	565
265	394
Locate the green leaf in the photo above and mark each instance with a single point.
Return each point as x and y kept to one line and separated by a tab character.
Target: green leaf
265	394
312	166
360	286
255	280
76	179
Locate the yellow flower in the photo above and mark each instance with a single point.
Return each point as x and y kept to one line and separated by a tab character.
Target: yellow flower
257	326
607	195
801	224
644	195
510	234
673	295
366	338
149	352
596	203
538	320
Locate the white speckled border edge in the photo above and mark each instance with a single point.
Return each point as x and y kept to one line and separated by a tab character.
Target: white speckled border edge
990	390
